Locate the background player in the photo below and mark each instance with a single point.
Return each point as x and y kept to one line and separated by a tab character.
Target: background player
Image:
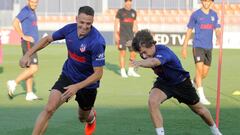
125	26
204	21
28	31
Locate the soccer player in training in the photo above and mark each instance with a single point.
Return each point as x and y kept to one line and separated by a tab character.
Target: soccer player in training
81	71
28	31
172	80
125	26
204	21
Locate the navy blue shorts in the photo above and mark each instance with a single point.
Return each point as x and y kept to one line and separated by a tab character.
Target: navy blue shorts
84	97
184	92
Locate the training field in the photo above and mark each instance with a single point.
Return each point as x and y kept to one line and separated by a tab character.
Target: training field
121	103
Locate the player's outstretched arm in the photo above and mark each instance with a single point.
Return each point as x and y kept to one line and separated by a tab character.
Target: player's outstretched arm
146	63
185	43
25	61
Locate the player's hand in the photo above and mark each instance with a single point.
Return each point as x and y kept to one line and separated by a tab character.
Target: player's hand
24	61
117	39
28	38
134	63
71	90
184	52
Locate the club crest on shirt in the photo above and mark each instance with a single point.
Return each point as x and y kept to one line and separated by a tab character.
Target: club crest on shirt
212	18
82	48
133	15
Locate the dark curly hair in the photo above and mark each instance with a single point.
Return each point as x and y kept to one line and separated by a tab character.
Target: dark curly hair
143	38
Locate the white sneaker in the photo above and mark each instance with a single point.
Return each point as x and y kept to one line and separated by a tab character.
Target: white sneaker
133	73
204	101
11	85
123	73
31	96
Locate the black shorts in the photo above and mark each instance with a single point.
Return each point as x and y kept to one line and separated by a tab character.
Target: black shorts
124	44
202	55
84	97
183	92
26	45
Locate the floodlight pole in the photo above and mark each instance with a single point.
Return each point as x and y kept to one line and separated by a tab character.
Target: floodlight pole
220	66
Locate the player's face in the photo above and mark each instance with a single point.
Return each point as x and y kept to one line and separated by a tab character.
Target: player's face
84	23
206	4
33	4
147	52
128	4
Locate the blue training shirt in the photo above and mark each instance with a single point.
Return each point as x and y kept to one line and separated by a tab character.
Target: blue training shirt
83	53
28	20
204	24
170	71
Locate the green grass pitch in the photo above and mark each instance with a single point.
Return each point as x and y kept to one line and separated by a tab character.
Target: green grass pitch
121	103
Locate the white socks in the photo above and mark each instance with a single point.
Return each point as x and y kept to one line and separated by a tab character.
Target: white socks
215	130
200	92
159	131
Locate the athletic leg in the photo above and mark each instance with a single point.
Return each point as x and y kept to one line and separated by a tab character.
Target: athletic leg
131	71
28	72
156	97
122	56
206	116
54	102
198	78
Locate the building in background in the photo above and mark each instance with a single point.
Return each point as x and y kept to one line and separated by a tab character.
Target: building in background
166	18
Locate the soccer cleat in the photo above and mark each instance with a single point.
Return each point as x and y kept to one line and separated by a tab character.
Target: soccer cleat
123	73
133	73
31	96
11	85
90	128
204	101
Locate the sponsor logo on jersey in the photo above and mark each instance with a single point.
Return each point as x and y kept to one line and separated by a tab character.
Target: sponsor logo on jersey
100	56
159	56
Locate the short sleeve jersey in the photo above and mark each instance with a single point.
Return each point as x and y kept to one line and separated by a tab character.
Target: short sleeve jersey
28	20
170	71
84	53
204	24
127	18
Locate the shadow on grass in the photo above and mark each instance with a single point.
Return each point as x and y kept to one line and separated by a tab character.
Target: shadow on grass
115	121
23	84
112	67
1	69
